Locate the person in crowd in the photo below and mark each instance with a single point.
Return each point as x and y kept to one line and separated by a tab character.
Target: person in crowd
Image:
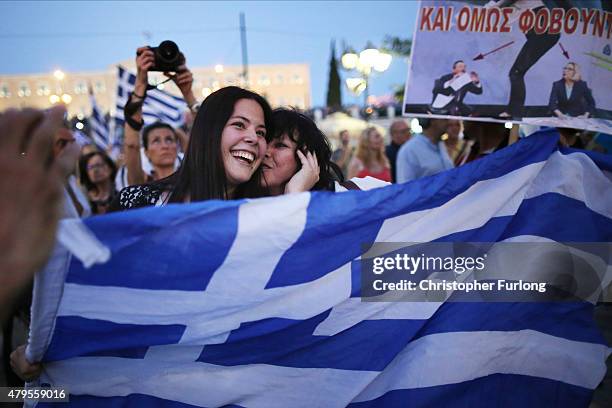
226	147
67	149
31	197
450	90
342	155
454	138
228	143
160	140
184	131
88	148
370	158
64	151
97	174
571	96
571	138
400	134
424	155
298	158
487	138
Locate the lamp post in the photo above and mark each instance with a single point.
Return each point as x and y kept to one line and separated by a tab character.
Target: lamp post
60	95
368	60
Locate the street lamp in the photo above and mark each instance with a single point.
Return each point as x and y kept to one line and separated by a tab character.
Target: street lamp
59	95
364	62
59	74
66	98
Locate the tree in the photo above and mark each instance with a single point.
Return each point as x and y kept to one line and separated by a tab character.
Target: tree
334	97
401	47
398	46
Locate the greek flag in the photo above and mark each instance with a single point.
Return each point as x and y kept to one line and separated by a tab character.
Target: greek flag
256	303
100	132
158	105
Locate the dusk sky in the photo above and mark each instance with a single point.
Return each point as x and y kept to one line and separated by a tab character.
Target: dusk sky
79	36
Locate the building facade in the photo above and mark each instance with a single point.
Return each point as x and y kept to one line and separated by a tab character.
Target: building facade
280	84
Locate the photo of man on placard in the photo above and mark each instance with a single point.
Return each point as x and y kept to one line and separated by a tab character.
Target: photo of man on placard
450	90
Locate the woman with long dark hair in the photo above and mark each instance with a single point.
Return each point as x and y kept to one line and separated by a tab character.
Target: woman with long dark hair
226	147
97	174
299	159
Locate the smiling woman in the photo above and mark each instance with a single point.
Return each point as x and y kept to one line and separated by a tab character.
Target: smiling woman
298	157
226	147
243	143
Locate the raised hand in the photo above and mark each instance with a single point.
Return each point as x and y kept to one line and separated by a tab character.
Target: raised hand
184	81
307	177
145	60
31	194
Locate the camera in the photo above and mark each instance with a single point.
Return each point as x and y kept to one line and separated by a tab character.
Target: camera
168	57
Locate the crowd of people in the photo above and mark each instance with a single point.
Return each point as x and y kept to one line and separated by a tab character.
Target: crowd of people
442	145
237	147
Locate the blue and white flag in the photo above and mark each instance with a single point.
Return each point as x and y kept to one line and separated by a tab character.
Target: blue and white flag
158	105
81	138
255	303
99	126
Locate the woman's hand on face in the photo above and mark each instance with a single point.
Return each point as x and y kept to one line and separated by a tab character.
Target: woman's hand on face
307	177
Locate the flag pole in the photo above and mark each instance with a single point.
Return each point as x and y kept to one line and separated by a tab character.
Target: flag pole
243	45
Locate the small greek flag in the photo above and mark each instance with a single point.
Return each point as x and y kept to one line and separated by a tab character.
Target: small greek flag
158	105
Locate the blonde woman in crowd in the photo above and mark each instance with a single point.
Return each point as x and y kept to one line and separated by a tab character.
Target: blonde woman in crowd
370	158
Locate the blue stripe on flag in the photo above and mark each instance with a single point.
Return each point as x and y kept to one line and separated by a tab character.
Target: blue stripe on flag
497	390
294	345
132	400
290	343
549	318
99	127
342	240
601	160
541	216
142	235
77	336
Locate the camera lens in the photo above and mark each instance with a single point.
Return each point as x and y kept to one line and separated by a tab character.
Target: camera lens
168	50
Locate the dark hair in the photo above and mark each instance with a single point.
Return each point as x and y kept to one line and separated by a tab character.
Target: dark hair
456	62
202	173
305	133
425	122
148	129
84	177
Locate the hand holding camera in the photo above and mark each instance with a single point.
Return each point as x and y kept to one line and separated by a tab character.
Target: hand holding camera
165	58
145	61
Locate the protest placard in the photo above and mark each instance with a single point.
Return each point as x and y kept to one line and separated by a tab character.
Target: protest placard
544	62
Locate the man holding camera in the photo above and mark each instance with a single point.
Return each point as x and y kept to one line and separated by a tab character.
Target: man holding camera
161	146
